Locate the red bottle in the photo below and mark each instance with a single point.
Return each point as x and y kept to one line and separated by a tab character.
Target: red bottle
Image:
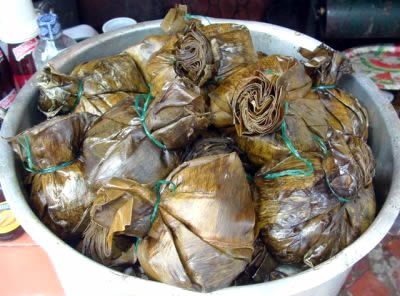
7	89
21	61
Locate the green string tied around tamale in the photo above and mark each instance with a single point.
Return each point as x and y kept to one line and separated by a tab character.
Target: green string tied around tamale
295	152
157	189
30	167
142	117
78	95
324	150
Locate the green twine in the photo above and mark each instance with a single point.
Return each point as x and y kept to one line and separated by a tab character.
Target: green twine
31	168
78	95
157	189
142	117
325	152
340	198
321	144
323	87
295	152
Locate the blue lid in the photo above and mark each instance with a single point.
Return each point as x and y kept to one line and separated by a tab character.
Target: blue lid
49	26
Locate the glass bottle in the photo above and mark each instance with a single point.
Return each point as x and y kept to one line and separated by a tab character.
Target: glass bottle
52	40
7	89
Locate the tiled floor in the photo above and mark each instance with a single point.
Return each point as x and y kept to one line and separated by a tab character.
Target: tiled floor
26	270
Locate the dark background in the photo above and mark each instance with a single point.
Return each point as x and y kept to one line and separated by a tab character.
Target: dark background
339	23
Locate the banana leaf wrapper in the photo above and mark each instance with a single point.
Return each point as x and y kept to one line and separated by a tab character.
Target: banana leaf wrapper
100	104
144	50
351	166
117	146
175	20
285	73
210	146
347	110
305	119
187	250
120	213
203	52
178	115
61	196
302	220
160	69
59	93
324	65
259	269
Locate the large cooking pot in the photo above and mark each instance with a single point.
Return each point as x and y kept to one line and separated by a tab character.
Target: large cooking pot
80	275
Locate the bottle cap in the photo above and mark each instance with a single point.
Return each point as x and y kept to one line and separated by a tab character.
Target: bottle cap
17	21
49	26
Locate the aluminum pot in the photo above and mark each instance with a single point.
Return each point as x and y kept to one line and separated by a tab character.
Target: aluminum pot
80	275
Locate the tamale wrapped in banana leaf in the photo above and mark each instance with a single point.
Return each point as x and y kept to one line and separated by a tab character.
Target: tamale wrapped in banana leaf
50	152
185	249
144	50
178	115
176	244
60	93
100	104
117	146
310	218
273	79
325	66
121	210
198	53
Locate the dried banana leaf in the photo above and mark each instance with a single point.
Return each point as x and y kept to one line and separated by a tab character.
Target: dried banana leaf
143	51
117	146
186	249
60	93
122	209
53	141
60	199
178	115
203	52
194	59
50	150
347	110
303	218
260	267
99	104
324	65
347	173
210	146
304	119
175	20
292	78
160	69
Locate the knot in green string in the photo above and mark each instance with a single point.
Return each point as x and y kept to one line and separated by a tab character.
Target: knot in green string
324	87
157	189
78	95
30	167
142	117
295	152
